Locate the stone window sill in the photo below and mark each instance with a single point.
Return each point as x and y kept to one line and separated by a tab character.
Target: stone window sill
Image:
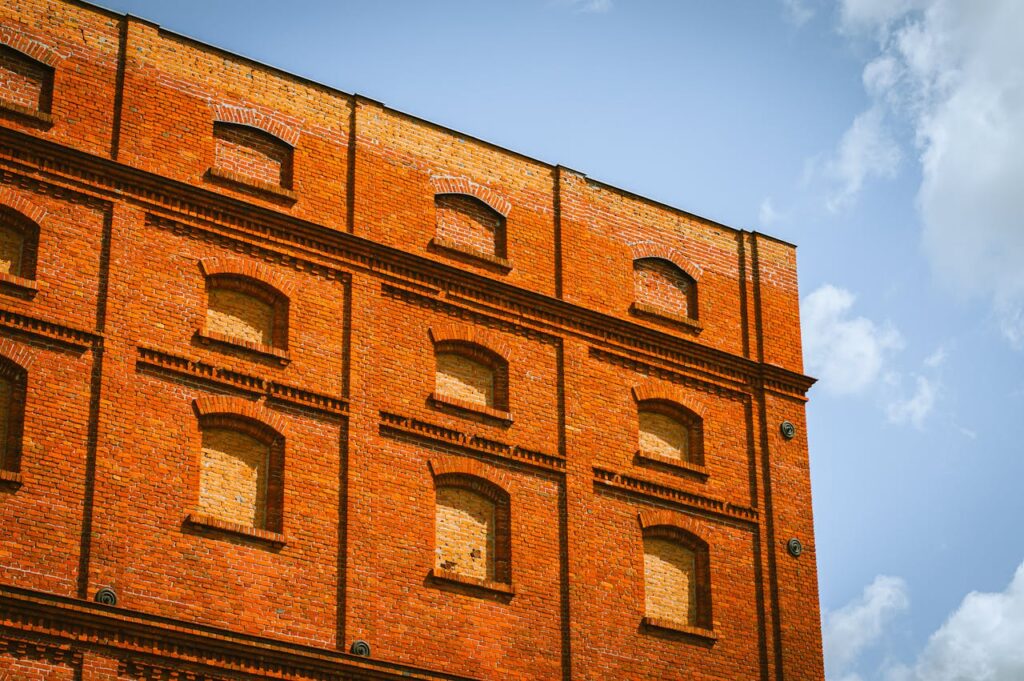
18	284
645	310
461	249
503	588
10	478
250	184
472	408
209	521
677	464
678	627
206	337
26	112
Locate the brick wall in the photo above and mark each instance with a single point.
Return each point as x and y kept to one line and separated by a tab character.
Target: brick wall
433	410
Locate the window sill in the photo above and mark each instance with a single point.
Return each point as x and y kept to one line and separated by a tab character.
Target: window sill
10	479
645	310
443	244
35	115
677	464
18	284
472	408
505	589
678	627
209	521
249	184
282	356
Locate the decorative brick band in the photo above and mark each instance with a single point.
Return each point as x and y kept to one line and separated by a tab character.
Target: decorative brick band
460	185
237	406
442	465
31	48
16	354
228	113
677	521
253	269
19	203
655	391
653	490
460	333
649	249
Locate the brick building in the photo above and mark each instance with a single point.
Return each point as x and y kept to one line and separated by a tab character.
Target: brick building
294	385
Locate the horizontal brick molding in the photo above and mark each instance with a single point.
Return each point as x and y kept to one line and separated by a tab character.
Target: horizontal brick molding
448	184
442	466
657	391
461	333
708	635
19	203
677	522
253	269
16	354
237	406
31	48
228	113
213	522
649	249
501	588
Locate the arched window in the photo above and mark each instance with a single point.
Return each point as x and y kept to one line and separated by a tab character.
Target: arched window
247	154
472	533
472	375
13	379
662	288
670	432
241	472
466	223
26	85
677	579
19	240
243	309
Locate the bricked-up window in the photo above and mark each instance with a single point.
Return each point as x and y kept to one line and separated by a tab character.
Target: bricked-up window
677	580
470	374
25	84
467	223
13	379
472	532
670	431
246	153
19	239
241	468
243	309
662	287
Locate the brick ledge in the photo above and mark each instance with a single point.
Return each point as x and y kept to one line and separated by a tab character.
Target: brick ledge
11	478
204	520
670	625
475	253
503	588
462	405
20	284
26	112
282	356
681	466
250	184
645	310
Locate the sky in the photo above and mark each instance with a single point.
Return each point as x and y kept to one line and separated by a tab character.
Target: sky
884	137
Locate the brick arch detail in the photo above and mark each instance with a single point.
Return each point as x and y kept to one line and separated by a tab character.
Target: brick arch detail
227	113
649	249
676	521
19	203
18	355
248	268
468	334
237	406
654	391
441	466
449	184
30	48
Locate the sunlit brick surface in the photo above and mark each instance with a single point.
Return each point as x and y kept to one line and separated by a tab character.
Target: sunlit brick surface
23	81
670	588
240	315
662	285
254	154
471	223
663	436
233	479
465	379
464	533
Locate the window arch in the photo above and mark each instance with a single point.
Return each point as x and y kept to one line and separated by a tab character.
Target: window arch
669	431
26	84
247	311
241	472
471	374
247	154
677	578
662	287
13	381
19	243
472	532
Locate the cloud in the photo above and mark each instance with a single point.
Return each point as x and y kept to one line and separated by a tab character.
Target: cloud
867	150
847	353
914	409
798	12
860	624
951	70
767	215
937	358
589	6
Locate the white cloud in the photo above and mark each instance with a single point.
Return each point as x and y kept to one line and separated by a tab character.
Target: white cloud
799	12
860	624
951	69
867	150
914	409
846	352
767	214
589	6
937	358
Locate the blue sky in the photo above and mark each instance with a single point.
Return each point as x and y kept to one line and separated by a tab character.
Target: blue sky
884	137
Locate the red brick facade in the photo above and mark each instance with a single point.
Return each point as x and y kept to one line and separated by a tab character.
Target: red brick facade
223	402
